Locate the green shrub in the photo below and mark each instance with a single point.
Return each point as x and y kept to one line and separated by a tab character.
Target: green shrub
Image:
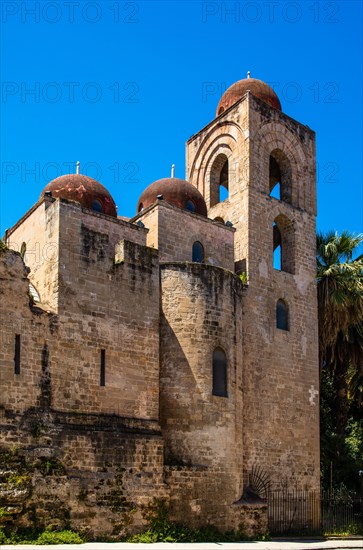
3	537
59	537
28	536
353	529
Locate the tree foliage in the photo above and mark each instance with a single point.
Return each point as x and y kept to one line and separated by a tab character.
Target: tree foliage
340	313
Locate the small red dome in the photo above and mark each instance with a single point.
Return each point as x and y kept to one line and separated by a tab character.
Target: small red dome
175	191
88	192
257	88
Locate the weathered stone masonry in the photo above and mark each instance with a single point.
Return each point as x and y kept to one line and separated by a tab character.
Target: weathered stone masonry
147	369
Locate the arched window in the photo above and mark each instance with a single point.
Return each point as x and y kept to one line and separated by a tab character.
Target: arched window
97	206
190	206
219	219
280	177
141	207
283	236
198	252
219	373
219	180
277	246
282	315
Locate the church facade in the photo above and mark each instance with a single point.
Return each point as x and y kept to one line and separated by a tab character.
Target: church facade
172	356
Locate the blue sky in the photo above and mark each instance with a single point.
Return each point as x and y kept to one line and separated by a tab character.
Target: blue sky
121	86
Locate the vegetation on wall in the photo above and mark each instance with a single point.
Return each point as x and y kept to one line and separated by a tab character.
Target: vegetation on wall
3	246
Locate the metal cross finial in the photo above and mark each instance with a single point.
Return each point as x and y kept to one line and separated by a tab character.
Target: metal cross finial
172	170
78	166
248	74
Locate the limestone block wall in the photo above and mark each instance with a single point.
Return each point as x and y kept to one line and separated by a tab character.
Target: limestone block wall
39	230
173	231
150	217
201	310
101	352
96	474
280	375
109	304
94	471
33	327
227	137
48	223
199	494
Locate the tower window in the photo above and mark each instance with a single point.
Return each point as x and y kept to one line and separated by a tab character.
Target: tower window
282	315
190	206
103	368
141	207
280	176
97	206
219	180
198	252
283	244
277	246
17	354
219	373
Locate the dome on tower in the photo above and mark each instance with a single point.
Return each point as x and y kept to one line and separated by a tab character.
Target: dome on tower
175	191
88	192
257	88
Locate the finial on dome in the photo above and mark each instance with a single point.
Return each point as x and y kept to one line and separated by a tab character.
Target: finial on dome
248	74
78	167
172	170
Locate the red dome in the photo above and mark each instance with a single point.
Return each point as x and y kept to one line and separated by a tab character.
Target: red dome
257	88
175	191
88	192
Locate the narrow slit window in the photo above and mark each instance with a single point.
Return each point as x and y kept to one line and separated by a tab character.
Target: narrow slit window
219	373
17	354
103	368
282	315
277	247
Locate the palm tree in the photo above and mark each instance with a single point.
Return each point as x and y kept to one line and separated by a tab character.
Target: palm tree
340	313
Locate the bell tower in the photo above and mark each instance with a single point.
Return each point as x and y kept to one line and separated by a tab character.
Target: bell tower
255	167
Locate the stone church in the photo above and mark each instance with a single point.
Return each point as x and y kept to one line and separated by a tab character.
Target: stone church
172	356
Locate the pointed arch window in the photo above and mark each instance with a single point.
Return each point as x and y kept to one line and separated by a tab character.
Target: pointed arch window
283	237
282	315
198	252
219	373
280	176
219	180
